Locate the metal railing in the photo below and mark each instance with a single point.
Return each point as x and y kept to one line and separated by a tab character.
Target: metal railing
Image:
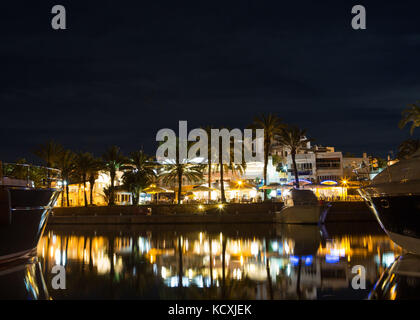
22	174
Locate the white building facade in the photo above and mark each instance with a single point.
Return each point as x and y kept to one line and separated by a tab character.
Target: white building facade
316	166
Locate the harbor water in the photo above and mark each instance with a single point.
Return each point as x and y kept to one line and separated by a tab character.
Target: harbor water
243	261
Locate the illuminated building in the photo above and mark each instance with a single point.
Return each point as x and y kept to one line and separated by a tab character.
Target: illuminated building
76	192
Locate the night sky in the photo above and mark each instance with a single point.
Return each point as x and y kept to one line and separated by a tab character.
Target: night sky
125	69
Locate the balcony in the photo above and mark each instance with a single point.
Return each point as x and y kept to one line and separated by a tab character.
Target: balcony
301	172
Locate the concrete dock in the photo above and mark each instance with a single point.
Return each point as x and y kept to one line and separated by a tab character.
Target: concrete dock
193	214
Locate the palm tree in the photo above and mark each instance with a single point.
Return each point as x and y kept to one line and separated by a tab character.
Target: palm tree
135	183
66	165
138	161
272	126
209	151
222	167
177	169
408	147
294	139
16	170
411	114
106	194
231	166
83	164
175	172
93	174
139	173
50	154
113	161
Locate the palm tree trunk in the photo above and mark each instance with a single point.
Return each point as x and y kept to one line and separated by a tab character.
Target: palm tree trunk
222	183
224	268
295	169
91	193
211	262
112	196
270	284
209	180
84	192
67	194
179	186
180	267
90	254
265	168
62	192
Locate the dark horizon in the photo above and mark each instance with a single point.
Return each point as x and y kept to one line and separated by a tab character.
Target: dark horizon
122	71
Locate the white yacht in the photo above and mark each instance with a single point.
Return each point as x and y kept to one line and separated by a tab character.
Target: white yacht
302	207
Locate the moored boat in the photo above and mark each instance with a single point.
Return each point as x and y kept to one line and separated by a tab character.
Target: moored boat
22	279
394	198
400	281
24	208
302	207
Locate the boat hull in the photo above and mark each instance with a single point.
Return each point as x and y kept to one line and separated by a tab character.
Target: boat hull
302	214
22	279
27	217
399	216
400	281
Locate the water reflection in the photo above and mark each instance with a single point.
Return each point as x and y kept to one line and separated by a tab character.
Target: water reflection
224	262
400	281
22	280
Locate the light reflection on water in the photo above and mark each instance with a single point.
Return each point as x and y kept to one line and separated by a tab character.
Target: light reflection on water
213	262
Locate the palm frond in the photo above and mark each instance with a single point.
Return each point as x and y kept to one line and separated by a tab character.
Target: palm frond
410	114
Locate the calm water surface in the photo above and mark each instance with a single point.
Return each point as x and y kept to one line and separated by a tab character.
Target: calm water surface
261	261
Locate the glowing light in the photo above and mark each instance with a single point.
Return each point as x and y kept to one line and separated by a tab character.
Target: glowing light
286	248
254	248
274	245
294	260
57	257
220	206
301	181
388	258
393	292
332	259
329	182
